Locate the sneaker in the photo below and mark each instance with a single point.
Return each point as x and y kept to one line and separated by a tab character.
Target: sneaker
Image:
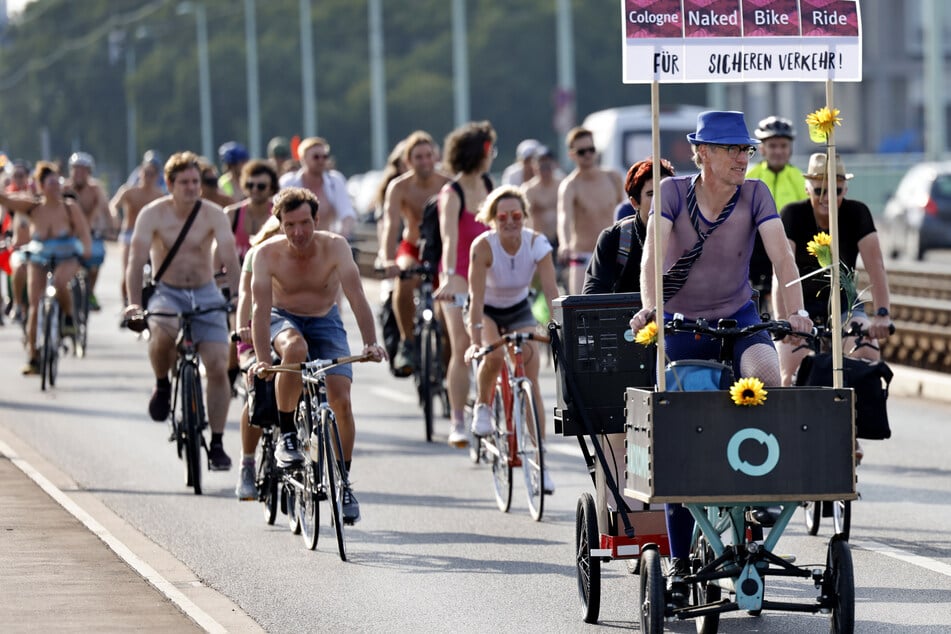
351	508
32	367
677	589
482	420
764	516
288	453
69	326
403	359
457	435
161	403
218	460
246	489
94	303
548	485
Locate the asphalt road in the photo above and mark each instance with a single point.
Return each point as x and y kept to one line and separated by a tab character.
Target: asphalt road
432	553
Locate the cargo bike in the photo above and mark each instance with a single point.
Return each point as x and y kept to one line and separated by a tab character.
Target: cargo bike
693	445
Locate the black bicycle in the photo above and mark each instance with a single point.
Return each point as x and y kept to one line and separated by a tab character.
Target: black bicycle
49	326
188	417
323	476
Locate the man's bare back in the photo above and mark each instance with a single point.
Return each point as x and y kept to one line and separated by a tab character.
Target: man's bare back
132	200
543	206
305	284
408	193
160	224
590	196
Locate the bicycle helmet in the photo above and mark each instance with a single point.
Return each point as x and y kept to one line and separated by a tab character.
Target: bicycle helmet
775	127
233	153
82	159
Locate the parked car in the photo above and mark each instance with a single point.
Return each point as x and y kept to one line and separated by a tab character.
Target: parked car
919	212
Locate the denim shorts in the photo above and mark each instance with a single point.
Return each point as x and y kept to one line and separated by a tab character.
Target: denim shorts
42	251
686	345
98	255
211	327
325	336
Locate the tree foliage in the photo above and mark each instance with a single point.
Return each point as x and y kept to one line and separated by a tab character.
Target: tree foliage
64	74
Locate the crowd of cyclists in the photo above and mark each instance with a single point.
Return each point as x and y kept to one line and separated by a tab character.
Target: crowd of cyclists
274	231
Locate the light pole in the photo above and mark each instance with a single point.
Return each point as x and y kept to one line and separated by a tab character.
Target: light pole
460	61
254	104
307	70
204	75
378	148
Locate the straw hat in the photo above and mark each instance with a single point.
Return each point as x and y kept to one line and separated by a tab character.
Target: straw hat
818	168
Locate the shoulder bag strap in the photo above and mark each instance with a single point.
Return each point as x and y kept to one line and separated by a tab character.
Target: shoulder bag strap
178	242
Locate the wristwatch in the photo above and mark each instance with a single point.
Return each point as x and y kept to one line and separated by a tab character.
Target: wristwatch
450	272
882	312
802	312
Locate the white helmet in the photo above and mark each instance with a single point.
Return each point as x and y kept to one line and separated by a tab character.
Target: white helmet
82	159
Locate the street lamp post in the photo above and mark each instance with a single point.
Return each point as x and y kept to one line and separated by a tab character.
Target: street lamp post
204	75
254	104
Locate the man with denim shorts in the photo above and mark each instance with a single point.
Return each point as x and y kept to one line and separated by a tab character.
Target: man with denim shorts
295	283
188	283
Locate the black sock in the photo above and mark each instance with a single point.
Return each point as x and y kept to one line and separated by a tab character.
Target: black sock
286	421
163	383
216	438
346	464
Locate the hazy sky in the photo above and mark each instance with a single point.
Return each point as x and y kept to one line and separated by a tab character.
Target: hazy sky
15	6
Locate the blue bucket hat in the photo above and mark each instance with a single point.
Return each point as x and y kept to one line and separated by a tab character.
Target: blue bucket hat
721	127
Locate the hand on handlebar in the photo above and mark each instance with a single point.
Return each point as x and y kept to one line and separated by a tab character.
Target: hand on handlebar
640	319
375	351
471	352
260	368
880	327
797	323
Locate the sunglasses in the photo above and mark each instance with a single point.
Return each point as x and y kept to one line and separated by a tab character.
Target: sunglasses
584	151
819	191
503	216
258	186
210	180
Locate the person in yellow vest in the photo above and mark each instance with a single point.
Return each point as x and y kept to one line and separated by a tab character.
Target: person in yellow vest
785	182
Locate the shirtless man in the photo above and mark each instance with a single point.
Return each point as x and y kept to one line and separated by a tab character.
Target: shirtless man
327	184
130	199
55	225
586	201
295	283
405	198
542	195
93	201
187	283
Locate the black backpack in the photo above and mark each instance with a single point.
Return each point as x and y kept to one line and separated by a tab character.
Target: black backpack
430	237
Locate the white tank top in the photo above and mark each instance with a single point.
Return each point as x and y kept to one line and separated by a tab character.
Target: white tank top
508	279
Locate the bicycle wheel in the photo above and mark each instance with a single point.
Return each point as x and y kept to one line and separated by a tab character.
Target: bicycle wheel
840	586
429	375
50	347
530	449
336	477
308	509
190	426
842	518
588	567
812	511
501	455
705	592
81	312
652	592
267	476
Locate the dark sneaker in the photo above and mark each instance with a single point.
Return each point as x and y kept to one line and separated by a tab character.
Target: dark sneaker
403	359
351	508
288	453
218	460
69	327
246	489
32	367
161	403
764	516
94	303
677	589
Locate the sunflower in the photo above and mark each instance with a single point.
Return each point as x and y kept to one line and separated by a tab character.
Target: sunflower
647	335
821	248
748	391
821	123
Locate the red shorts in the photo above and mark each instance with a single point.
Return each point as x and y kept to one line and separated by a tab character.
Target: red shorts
407	248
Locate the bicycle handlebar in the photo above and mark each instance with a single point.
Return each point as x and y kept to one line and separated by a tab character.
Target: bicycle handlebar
511	338
727	328
317	365
136	323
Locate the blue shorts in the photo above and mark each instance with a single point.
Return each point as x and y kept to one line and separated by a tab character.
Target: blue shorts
325	336
41	252
211	327
685	345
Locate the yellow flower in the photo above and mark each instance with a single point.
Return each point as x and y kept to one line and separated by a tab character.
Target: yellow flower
821	123
647	335
821	248
748	391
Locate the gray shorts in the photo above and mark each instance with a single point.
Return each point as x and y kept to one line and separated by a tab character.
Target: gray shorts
211	327
325	336
513	318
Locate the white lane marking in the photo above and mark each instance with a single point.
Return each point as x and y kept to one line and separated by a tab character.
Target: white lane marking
159	582
409	397
903	555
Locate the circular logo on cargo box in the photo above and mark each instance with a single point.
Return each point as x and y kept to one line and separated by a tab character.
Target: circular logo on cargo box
751	433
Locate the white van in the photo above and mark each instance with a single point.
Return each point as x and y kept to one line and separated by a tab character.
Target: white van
623	135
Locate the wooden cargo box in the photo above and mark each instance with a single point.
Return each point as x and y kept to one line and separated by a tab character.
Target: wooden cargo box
701	447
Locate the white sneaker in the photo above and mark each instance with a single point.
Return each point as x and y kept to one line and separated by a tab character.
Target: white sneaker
457	435
547	483
482	420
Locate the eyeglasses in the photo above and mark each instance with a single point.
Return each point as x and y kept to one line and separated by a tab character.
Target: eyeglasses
820	191
258	186
502	217
734	151
583	151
